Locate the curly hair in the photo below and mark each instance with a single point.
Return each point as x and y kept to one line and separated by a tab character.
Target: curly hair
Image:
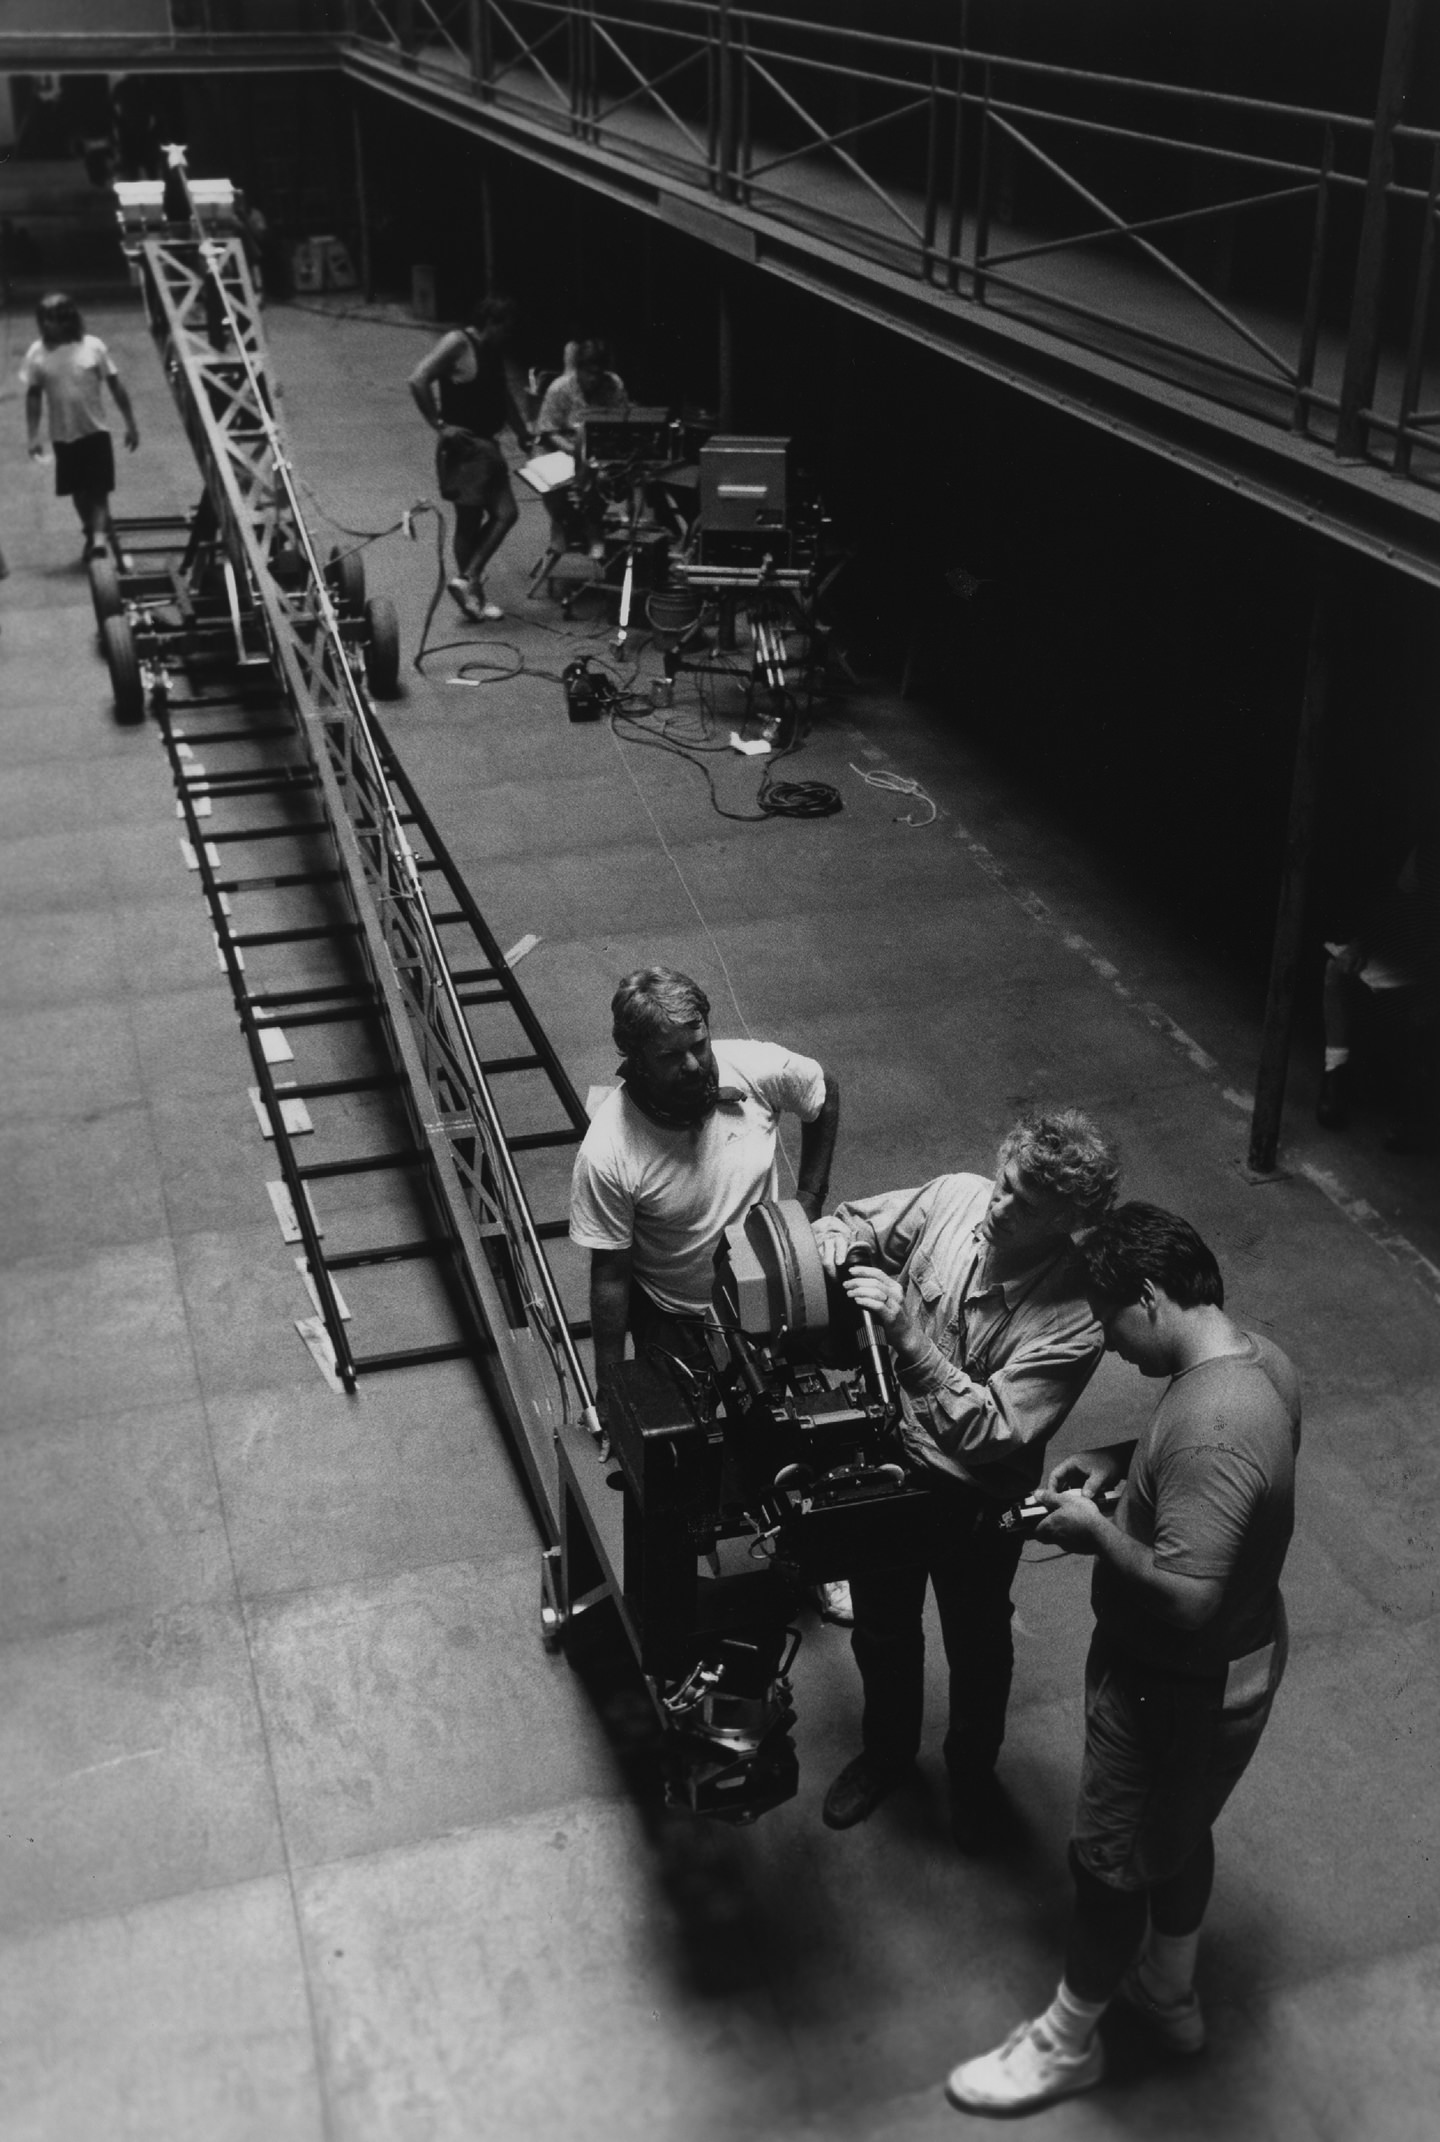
1138	1242
652	1000
1061	1152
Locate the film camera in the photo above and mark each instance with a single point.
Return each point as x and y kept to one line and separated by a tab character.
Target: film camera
766	1463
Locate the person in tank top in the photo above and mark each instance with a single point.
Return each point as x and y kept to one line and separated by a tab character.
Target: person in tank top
462	389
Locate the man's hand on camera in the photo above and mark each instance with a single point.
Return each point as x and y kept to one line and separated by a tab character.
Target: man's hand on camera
870	1288
1093	1472
1075	1522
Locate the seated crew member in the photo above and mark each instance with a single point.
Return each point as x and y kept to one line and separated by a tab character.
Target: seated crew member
1188	1650
678	1153
462	389
586	387
982	1300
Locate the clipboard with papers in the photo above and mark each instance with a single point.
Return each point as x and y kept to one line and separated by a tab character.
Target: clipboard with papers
547	472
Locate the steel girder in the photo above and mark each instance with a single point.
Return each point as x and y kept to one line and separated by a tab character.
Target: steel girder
207	325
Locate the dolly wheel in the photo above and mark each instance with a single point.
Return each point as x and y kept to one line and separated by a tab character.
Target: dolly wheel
552	1614
119	644
382	647
105	588
346	575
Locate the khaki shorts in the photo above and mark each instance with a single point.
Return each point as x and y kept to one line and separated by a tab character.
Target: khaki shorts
1162	1756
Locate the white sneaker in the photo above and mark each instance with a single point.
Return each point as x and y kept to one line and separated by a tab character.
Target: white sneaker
464	596
1180	2025
1027	2071
835	1604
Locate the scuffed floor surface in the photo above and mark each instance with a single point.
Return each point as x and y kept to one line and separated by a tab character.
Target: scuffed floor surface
303	1834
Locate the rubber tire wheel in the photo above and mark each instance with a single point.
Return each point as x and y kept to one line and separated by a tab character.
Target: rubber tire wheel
105	589
382	647
346	575
119	643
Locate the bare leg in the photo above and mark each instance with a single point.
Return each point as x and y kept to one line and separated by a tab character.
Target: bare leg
93	508
500	515
469	528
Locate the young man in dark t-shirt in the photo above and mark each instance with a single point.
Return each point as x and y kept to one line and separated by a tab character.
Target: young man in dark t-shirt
1189	1646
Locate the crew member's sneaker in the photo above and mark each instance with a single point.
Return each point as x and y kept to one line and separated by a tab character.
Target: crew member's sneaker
1178	2024
1027	2071
464	596
858	1791
835	1603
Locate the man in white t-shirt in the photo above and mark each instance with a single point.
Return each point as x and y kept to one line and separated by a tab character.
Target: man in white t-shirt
64	375
676	1154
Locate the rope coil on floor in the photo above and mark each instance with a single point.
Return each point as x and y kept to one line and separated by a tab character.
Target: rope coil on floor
899	785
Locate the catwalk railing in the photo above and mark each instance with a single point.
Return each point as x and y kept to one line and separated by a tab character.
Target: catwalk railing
1214	240
1277	259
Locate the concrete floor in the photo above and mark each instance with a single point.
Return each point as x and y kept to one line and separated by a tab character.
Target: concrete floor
304	1835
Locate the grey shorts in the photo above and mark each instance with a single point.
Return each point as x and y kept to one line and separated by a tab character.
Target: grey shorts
1162	1756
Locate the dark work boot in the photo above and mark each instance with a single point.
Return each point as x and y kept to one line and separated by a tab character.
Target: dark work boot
859	1789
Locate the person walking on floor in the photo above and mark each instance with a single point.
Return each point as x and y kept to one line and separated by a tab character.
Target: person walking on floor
462	389
64	376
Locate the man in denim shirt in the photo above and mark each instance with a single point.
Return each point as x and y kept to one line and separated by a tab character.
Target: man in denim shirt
982	1301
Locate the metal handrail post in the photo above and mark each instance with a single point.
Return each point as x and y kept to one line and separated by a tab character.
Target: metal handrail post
1415	360
932	173
481	49
726	173
1310	322
712	101
982	202
1362	353
744	156
956	237
1290	909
